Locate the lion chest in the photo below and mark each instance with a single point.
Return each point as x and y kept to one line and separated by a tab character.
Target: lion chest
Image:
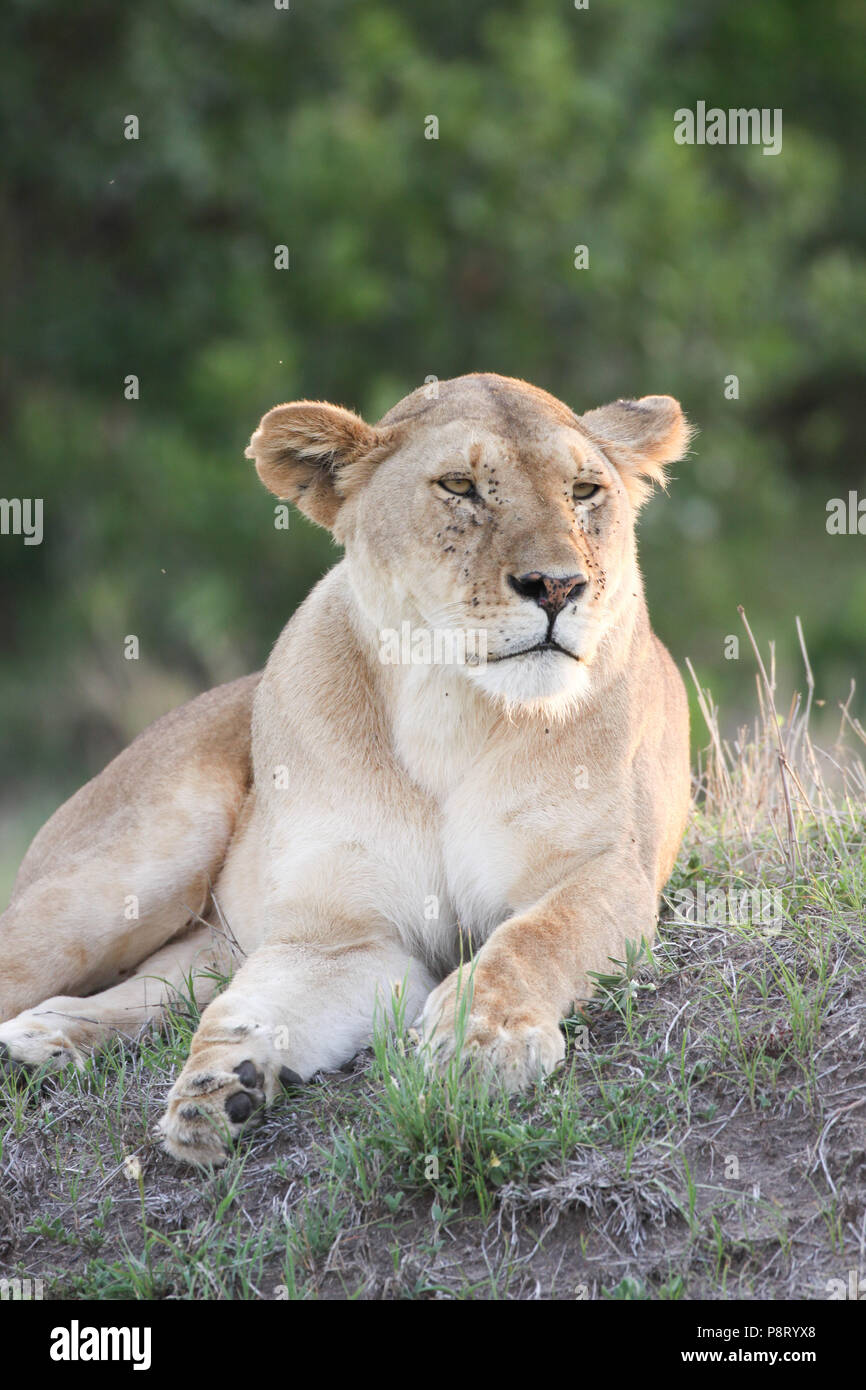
495	820
492	850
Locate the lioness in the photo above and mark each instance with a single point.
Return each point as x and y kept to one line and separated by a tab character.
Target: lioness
345	822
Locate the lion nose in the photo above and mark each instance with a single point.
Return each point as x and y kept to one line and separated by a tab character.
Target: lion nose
550	593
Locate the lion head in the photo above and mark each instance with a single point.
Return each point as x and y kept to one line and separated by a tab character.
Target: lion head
484	505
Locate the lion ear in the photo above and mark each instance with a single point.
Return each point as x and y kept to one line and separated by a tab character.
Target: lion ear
639	438
314	454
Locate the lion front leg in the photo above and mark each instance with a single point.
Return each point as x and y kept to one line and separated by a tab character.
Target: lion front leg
66	1030
511	1034
503	1012
292	1010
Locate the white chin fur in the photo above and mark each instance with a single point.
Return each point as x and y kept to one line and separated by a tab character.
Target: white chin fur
546	679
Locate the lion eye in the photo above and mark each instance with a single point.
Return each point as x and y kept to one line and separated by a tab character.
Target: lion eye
460	487
582	491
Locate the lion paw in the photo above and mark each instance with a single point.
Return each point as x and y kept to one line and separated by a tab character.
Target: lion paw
512	1045
209	1108
32	1043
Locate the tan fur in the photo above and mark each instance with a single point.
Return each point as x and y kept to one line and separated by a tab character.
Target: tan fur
527	808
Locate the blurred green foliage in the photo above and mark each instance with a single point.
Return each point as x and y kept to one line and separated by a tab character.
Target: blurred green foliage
409	257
